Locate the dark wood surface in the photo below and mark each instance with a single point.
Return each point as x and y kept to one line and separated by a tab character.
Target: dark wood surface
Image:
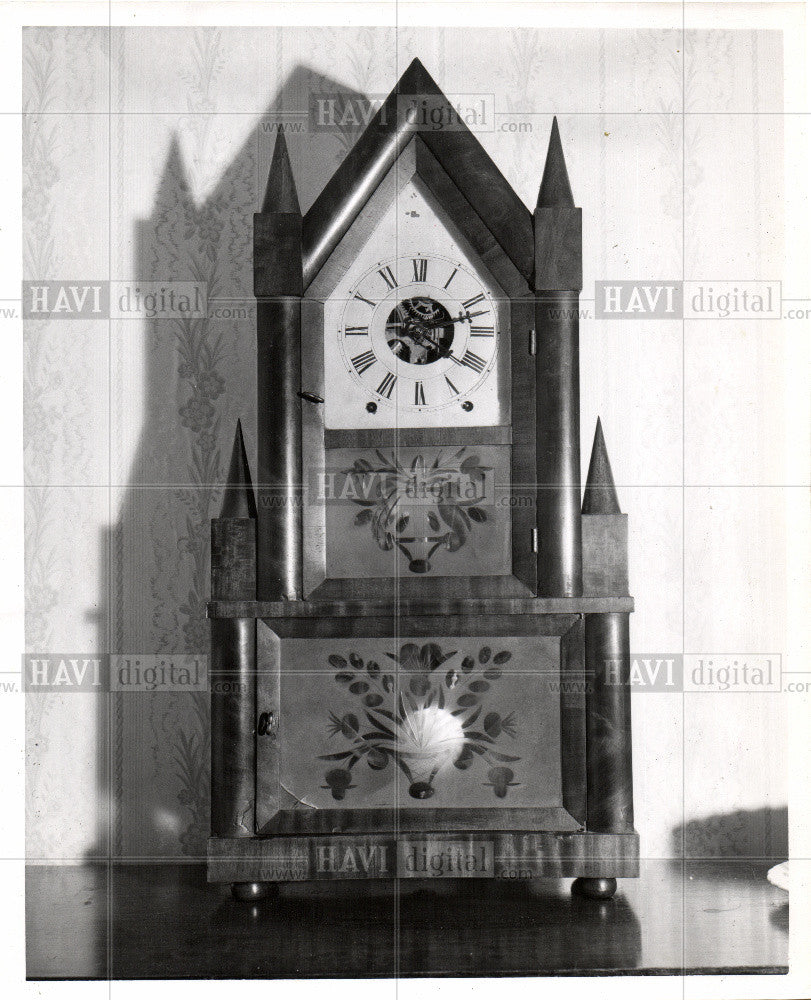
233	714
417	437
523	470
558	248
609	771
465	215
279	470
404	820
557	444
605	554
429	588
165	921
403	607
278	286
233	558
277	255
503	853
573	720
456	150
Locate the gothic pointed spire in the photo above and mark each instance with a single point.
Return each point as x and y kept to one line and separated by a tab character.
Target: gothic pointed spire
239	501
555	187
600	495
280	195
417	80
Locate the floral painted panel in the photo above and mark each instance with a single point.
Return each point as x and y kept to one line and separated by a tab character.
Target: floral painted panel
431	722
417	511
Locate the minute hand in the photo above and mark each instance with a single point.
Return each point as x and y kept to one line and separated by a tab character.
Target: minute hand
458	319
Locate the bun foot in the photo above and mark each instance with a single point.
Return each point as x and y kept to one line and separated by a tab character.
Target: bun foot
595	888
250	892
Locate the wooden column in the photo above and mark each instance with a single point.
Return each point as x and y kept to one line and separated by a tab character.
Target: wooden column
278	288
232	672
558	280
609	778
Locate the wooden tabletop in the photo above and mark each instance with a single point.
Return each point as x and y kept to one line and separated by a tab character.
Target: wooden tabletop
164	921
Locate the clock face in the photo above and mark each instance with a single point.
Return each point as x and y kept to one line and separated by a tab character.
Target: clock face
416	331
419	334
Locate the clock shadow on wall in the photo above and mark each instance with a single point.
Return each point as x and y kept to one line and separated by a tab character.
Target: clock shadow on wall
198	379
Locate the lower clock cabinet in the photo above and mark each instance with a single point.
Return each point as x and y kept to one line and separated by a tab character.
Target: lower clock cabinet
421	746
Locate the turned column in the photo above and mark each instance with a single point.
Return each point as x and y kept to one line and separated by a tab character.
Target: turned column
609	777
558	280
233	656
278	289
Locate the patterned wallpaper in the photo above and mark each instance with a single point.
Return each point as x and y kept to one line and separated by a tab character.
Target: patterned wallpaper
145	153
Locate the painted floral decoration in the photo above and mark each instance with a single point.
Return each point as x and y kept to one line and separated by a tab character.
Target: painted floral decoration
452	491
438	718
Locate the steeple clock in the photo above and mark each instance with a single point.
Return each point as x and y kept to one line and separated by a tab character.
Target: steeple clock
420	654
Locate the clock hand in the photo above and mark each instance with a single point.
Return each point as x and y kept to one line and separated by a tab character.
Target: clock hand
414	333
461	318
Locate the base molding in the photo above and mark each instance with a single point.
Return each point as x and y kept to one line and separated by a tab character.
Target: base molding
390	855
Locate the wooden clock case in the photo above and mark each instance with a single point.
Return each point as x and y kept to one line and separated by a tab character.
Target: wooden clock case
568	580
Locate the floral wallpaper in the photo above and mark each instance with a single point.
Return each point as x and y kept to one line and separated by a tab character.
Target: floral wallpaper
145	153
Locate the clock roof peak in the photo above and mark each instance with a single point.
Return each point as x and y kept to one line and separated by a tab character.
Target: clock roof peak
458	160
280	195
555	187
416	75
600	495
239	501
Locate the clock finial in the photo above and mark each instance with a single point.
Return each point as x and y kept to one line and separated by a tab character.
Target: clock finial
280	194
239	501
600	495
278	286
417	80
555	187
557	279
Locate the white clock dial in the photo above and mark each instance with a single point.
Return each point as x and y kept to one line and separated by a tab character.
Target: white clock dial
416	329
419	333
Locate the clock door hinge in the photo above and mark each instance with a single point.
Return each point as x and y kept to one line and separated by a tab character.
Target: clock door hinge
532	346
534	539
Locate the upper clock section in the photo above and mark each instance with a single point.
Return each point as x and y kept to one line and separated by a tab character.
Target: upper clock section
416	333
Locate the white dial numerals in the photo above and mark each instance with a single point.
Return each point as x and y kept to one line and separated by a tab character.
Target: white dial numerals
419	333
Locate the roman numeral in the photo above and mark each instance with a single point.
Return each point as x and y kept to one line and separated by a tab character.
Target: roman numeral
472	361
363	361
387	275
453	275
420	270
387	385
367	301
451	386
482	331
419	394
474	301
356	331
